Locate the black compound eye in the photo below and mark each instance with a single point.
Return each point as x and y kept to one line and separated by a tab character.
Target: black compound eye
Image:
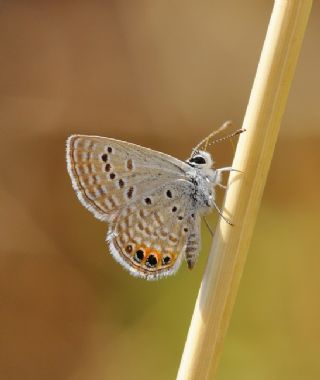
198	160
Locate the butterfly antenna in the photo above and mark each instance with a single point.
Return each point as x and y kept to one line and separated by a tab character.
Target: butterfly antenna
206	140
237	132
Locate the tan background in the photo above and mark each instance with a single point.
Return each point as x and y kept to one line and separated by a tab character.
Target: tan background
162	74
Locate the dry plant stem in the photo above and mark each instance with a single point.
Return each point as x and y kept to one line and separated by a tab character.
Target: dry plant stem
253	156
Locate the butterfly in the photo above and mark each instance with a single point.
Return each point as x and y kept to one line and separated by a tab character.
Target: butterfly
152	201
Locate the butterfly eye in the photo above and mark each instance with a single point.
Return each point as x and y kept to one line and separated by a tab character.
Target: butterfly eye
198	160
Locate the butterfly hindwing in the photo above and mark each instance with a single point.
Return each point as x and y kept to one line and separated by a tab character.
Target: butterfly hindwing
151	237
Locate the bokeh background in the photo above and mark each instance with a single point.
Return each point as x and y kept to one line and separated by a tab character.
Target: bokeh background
162	74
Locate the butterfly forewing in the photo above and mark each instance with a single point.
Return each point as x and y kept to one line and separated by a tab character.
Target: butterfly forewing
109	174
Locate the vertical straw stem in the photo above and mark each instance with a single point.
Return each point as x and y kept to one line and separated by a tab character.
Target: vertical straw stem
253	156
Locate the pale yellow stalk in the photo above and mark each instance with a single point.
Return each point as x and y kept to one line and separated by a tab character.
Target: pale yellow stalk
253	156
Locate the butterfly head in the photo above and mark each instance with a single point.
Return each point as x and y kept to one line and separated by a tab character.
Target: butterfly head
201	160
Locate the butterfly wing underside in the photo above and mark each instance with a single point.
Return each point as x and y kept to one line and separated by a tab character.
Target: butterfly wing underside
145	197
151	238
109	174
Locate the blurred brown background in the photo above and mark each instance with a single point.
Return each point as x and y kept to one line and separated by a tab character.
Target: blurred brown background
162	74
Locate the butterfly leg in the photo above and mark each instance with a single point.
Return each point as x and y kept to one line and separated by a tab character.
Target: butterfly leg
224	187
219	176
208	226
228	169
222	216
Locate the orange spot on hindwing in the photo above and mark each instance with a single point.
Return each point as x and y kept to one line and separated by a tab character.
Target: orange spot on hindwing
151	258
